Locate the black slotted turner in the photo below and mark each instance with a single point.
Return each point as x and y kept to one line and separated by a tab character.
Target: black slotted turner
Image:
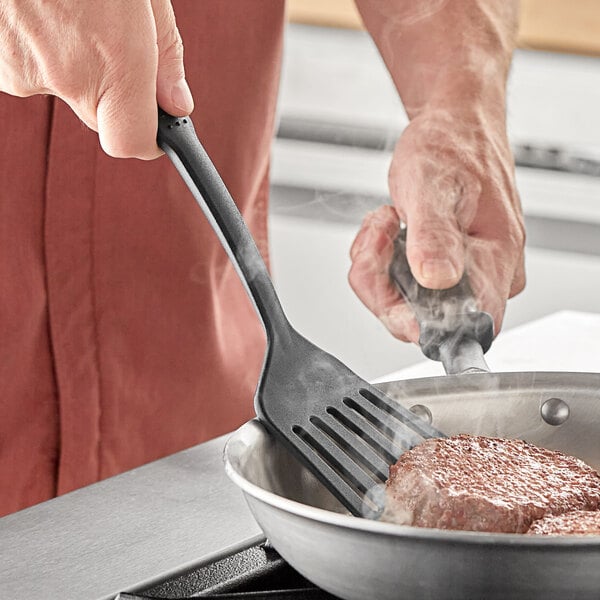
343	429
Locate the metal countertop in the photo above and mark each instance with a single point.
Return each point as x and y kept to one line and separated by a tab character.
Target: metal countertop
126	532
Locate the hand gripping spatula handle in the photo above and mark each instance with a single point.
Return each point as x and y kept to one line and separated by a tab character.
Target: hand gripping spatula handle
342	428
452	329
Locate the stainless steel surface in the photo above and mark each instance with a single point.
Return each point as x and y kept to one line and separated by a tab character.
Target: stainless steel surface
126	532
555	411
358	558
422	412
466	357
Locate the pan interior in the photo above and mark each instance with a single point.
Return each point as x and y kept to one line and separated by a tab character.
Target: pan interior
507	405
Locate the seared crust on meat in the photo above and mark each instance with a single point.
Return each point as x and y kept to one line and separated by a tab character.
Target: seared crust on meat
576	522
479	483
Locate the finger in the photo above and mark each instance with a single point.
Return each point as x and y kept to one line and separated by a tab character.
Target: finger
378	226
371	255
127	122
172	91
491	271
429	197
434	247
86	111
127	114
496	266
519	279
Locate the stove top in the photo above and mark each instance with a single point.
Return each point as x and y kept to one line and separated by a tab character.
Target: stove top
254	573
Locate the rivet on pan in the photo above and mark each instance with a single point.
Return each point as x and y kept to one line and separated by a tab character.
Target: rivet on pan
422	412
555	411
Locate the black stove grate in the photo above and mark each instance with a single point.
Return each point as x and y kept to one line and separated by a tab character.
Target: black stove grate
254	573
299	594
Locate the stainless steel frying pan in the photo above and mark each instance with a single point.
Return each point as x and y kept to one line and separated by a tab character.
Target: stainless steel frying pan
358	559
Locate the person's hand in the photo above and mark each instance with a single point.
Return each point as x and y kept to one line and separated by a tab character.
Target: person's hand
452	182
110	60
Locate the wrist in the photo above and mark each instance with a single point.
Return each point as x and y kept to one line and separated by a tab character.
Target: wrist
461	55
471	96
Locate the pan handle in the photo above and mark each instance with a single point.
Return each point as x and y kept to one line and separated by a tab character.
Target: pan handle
452	329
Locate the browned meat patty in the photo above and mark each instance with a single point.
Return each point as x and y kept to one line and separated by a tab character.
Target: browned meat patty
576	522
478	483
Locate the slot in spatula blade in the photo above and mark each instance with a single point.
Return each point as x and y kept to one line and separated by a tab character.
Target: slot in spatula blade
344	428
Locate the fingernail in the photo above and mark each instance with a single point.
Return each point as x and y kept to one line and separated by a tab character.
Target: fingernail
438	269
182	97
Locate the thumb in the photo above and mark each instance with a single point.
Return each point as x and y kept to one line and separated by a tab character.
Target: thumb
172	91
434	248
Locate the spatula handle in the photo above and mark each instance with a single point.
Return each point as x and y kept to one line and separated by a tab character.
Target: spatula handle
452	329
177	138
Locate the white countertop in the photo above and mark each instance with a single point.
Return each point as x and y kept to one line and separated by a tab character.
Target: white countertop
563	341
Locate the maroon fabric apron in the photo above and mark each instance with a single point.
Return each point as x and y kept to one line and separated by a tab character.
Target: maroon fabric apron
125	334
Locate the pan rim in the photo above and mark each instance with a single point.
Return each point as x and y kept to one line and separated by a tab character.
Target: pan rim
350	522
560	379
